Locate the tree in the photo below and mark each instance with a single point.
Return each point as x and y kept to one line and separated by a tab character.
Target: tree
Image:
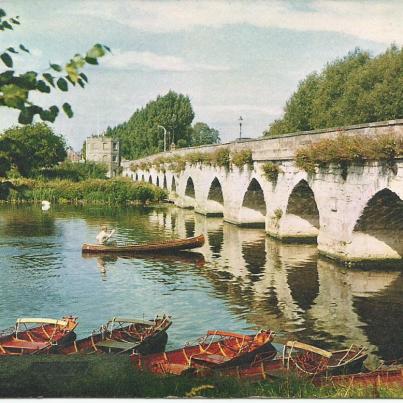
351	90
32	147
15	89
141	136
203	134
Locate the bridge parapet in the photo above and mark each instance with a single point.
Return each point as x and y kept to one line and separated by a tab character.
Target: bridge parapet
353	216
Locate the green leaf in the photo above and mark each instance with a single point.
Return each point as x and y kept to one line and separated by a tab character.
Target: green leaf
72	73
81	83
2	13
84	77
67	109
22	47
49	115
49	78
91	60
62	84
14	96
15	21
6	59
12	50
95	52
107	48
56	67
6	77
43	87
25	117
7	25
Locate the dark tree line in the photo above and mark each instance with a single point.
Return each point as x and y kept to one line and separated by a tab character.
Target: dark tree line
355	89
142	134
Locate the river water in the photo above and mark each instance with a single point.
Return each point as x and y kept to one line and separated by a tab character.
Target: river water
240	280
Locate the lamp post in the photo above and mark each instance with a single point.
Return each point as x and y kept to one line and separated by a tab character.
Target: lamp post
240	126
165	137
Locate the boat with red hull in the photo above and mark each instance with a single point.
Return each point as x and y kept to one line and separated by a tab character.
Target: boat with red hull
296	358
37	335
218	349
168	246
123	336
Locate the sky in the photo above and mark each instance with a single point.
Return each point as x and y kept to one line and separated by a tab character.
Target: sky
232	58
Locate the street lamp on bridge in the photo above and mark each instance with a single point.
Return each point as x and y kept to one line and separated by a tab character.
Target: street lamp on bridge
165	136
240	126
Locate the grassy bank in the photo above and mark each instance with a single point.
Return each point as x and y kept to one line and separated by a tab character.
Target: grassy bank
113	376
119	191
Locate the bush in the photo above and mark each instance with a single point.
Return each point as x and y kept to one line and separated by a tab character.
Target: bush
221	158
97	191
344	150
271	171
242	158
74	171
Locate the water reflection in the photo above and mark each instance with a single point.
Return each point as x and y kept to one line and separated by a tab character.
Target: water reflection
240	279
290	288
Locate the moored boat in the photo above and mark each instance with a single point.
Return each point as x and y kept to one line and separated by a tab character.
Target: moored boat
167	246
37	335
123	335
299	359
218	349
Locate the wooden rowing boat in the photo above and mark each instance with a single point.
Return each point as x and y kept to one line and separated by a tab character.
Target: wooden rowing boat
123	335
171	245
296	358
37	335
218	349
387	376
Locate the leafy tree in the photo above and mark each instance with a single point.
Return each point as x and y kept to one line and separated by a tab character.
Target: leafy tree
15	89
203	134
141	136
351	90
31	148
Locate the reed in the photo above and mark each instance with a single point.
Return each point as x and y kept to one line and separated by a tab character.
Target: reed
119	191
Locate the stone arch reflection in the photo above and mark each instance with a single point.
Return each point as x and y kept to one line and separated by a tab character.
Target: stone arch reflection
173	184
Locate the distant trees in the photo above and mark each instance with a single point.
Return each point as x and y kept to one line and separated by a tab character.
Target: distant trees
30	148
203	134
351	90
141	136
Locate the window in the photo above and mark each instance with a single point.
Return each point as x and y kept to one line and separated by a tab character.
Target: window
114	158
115	146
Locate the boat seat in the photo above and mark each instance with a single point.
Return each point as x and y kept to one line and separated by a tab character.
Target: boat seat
211	359
120	345
25	344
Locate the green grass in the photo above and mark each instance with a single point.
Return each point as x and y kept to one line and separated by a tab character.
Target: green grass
119	191
113	376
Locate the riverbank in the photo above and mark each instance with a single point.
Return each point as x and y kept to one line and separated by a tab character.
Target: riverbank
117	191
113	376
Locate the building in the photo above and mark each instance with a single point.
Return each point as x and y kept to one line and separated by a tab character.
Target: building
105	150
72	155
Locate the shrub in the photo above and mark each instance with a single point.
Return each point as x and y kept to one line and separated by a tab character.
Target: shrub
75	171
179	165
98	191
220	158
344	150
242	158
271	171
197	157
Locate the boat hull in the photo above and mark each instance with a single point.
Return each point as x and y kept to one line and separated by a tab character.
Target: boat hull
141	248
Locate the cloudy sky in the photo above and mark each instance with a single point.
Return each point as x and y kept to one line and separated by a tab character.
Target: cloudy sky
231	58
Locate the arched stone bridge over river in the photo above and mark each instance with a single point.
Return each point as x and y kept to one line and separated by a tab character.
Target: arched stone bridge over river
353	216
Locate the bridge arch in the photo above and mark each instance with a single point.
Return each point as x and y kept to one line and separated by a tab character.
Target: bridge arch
173	184
190	188
253	209
157	181
136	177
164	182
301	220
378	232
150	179
214	204
142	178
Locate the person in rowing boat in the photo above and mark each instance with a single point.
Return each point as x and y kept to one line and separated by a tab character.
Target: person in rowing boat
104	236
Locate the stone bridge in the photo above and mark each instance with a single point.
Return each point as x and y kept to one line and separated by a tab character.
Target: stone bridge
353	216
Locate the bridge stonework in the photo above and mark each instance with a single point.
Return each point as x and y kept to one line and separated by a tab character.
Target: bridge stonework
352	218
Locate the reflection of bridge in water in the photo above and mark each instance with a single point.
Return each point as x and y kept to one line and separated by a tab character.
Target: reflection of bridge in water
288	288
